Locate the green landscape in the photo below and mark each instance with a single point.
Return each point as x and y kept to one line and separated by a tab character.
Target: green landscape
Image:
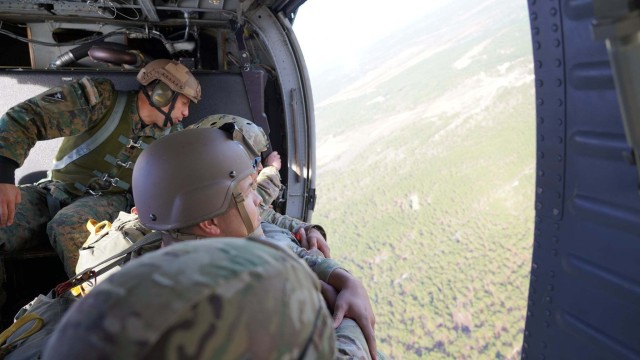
425	180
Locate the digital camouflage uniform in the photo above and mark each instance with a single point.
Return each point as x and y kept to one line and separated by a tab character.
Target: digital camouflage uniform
77	111
208	188
350	341
211	299
268	181
256	142
269	184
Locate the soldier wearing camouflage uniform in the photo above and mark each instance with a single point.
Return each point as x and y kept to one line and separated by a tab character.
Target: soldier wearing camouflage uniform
224	298
105	130
256	142
214	196
269	182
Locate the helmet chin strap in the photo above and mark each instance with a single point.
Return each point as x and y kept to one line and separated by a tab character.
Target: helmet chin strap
238	198
167	115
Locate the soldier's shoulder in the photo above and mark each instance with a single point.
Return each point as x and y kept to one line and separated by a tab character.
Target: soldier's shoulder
99	83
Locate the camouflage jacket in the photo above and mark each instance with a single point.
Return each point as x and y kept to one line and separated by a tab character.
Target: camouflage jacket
70	111
284	221
320	265
287	222
269	184
201	300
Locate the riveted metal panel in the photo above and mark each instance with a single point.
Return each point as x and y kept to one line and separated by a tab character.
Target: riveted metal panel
585	276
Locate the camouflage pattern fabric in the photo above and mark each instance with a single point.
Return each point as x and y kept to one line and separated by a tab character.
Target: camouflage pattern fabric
32	215
63	111
282	221
58	112
253	134
209	299
66	230
320	265
73	109
268	184
351	343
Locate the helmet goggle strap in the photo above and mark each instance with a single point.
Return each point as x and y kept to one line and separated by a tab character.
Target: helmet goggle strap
238	198
167	115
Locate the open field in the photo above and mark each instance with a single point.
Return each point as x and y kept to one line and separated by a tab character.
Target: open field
425	185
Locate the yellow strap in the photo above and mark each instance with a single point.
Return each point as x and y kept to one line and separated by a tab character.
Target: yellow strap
96	227
37	325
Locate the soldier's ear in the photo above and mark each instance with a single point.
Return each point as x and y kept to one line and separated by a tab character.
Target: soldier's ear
210	227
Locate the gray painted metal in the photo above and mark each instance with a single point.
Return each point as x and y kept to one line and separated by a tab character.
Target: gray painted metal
585	276
296	108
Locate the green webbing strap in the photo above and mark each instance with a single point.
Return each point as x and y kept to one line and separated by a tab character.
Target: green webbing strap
99	137
53	204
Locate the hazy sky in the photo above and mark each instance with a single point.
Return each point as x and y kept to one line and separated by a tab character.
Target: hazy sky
338	29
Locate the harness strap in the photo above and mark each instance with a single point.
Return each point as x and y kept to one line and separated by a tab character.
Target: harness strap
99	137
238	198
38	323
167	115
53	204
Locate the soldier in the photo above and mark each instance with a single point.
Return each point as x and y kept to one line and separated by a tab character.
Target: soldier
311	236
214	196
268	177
222	298
104	131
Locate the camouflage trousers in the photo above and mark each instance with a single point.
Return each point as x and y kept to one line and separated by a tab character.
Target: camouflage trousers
350	342
66	230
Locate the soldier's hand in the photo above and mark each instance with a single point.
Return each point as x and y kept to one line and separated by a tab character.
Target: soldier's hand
329	294
9	198
316	240
273	160
301	236
353	302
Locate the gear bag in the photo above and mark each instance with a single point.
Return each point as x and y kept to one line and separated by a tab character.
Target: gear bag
97	258
108	247
33	325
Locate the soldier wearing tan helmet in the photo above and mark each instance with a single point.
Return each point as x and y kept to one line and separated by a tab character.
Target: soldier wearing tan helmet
311	236
104	131
213	195
268	176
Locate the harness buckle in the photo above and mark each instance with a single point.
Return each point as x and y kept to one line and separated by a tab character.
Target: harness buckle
113	161
130	143
113	181
86	189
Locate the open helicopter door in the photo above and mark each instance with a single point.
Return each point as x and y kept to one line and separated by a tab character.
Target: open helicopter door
584	295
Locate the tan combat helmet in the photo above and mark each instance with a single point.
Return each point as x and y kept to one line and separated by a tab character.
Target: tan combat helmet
253	134
202	299
188	177
174	75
